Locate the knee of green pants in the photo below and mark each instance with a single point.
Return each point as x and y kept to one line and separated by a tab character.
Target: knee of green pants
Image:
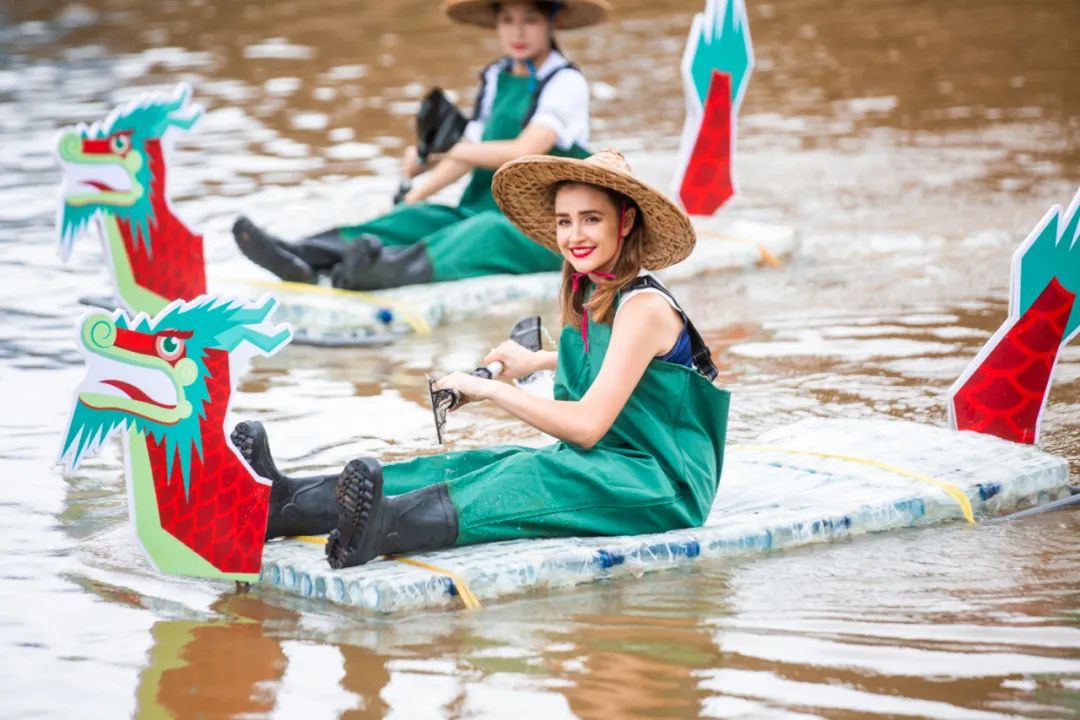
486	244
561	490
408	475
406	224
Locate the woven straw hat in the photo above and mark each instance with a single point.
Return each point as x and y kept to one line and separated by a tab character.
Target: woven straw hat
572	13
522	188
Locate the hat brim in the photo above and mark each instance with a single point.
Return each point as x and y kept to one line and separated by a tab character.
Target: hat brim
572	15
522	189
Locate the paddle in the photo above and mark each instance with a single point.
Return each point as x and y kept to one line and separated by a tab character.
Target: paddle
526	332
1069	501
439	124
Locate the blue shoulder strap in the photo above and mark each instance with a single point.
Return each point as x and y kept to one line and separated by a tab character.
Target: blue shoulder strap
698	349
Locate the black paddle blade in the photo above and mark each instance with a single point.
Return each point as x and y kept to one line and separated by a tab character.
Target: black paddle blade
439	124
442	401
526	332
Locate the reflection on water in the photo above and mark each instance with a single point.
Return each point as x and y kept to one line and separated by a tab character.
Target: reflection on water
884	625
910	143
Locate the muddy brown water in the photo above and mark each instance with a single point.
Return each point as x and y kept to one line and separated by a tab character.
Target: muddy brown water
912	144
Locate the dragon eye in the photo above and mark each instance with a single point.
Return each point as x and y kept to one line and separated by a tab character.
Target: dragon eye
170	348
120	144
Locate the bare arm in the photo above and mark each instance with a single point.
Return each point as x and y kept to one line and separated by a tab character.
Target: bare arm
447	171
464	156
644	328
547	360
535	139
518	361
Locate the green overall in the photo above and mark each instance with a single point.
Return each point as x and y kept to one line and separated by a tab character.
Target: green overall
473	238
655	470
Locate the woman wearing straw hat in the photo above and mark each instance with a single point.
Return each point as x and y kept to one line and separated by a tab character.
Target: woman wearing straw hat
531	101
640	426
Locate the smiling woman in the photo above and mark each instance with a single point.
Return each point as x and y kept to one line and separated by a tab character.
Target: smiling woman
634	399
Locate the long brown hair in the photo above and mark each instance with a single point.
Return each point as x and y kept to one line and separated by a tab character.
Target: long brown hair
627	267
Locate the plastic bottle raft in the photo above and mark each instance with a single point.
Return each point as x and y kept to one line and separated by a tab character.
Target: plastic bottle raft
811	482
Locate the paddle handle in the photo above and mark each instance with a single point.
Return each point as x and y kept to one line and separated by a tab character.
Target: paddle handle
402	191
489	372
526	332
406	183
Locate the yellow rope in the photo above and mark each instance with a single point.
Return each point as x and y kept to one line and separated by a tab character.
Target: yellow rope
466	593
412	318
953	491
313	539
766	257
462	587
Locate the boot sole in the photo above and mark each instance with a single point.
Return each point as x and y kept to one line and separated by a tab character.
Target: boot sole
249	436
243	438
265	252
288	516
358	489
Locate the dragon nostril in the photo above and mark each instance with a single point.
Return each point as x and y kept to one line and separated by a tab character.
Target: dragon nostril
69	146
99	331
186	371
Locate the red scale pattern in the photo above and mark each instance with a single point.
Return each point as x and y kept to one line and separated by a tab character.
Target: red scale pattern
173	268
1004	396
707	183
223	519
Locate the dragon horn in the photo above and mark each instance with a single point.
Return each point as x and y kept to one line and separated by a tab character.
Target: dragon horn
231	339
255	315
177	115
181	94
247	318
187	121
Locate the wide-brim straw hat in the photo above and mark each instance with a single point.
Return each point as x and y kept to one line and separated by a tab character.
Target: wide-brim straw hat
522	188
571	14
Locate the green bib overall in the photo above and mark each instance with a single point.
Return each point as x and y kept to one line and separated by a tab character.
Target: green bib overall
473	238
655	470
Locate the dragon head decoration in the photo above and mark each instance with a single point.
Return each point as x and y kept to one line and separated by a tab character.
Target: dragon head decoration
114	173
111	166
168	380
159	374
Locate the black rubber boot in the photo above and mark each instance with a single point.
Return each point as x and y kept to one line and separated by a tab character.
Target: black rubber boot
371	524
298	506
269	252
322	251
356	259
370	266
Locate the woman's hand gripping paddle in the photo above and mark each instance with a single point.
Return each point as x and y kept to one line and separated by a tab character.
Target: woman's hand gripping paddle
526	332
439	125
